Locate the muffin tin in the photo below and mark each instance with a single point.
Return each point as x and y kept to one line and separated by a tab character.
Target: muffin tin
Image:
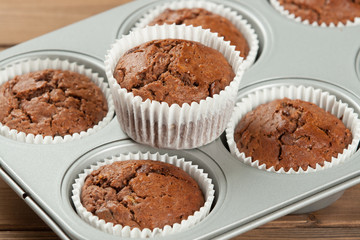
245	197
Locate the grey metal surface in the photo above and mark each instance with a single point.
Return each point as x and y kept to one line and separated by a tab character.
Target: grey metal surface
245	197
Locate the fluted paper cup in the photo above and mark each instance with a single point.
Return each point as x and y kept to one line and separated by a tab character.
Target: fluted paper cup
32	65
158	124
319	97
204	182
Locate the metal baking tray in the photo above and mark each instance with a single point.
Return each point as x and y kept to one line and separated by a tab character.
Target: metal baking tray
290	52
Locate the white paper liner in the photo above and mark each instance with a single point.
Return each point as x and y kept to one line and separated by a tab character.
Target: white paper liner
239	22
158	124
31	65
283	11
204	182
321	98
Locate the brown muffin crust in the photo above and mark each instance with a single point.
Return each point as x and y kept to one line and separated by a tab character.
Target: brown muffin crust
207	20
51	103
323	11
291	134
141	193
173	71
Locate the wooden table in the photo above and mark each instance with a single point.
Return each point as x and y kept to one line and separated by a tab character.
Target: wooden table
21	20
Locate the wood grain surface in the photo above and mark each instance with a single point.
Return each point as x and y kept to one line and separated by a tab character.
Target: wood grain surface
21	20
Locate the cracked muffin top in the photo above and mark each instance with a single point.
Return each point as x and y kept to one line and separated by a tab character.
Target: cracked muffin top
291	134
174	71
207	20
51	103
323	11
141	193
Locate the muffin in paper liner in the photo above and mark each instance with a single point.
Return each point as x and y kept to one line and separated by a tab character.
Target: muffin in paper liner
319	97
239	22
283	11
158	124
204	182
32	65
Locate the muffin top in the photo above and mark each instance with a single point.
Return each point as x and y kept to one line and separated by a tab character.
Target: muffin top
207	20
141	193
173	71
323	11
291	134
51	103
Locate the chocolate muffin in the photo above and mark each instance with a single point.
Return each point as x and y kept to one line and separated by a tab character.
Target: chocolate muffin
141	194
291	134
51	103
174	71
207	20
323	11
